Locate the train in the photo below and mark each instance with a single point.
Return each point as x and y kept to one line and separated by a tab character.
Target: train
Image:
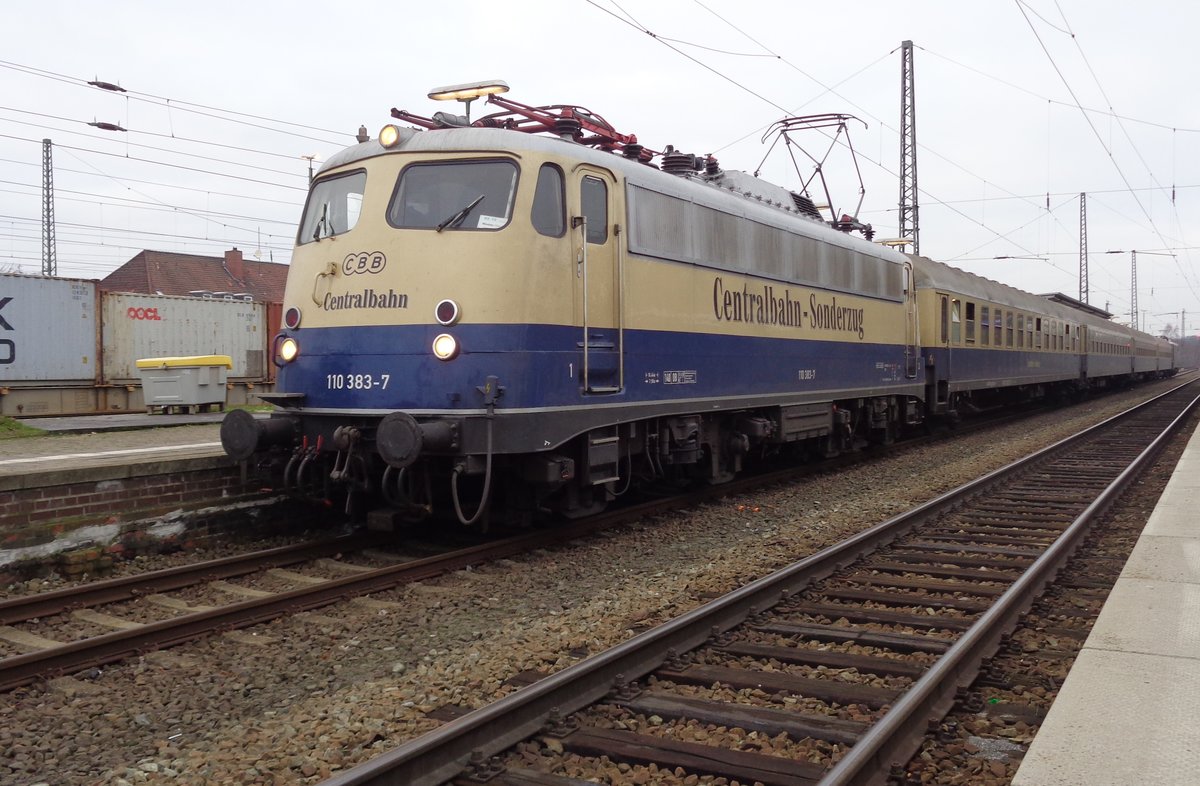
531	314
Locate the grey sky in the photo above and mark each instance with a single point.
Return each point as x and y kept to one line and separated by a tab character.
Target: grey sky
998	126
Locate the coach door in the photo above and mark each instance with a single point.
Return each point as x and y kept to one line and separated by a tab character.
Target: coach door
599	279
1082	335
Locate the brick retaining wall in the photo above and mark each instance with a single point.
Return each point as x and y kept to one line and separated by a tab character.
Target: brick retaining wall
49	518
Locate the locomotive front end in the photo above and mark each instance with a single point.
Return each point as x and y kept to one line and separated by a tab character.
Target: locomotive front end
404	323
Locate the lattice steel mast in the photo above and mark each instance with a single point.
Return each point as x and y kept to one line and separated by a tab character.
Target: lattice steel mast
1083	252
49	255
910	224
1133	310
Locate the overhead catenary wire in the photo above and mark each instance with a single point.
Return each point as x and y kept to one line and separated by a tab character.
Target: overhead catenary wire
630	21
658	36
158	163
188	106
1100	139
162	184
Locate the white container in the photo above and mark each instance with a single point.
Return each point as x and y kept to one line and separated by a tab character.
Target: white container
48	331
184	382
151	326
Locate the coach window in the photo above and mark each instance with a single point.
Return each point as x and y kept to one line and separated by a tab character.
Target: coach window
594	199
985	325
1020	330
1029	332
1008	321
998	324
970	322
956	321
1037	333
549	213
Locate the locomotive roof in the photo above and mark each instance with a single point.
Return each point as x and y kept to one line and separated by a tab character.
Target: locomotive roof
730	190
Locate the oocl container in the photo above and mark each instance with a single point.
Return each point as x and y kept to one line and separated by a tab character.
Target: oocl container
149	326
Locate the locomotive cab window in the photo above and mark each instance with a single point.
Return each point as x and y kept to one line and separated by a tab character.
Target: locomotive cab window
593	199
457	195
549	214
334	205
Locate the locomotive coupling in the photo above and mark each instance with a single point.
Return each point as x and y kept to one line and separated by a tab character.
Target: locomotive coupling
243	435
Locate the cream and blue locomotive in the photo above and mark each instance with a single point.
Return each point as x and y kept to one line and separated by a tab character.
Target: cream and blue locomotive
477	315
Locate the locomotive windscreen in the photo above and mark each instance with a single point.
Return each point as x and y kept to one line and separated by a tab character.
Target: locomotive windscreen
457	195
333	206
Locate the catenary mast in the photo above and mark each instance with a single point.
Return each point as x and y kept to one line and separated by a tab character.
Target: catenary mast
49	255
910	225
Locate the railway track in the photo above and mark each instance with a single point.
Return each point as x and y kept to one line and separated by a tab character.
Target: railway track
850	654
124	630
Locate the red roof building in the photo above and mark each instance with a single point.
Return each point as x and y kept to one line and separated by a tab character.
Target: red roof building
168	273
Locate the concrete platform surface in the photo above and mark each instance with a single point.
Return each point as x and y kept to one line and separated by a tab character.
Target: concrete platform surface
82	424
90	441
1129	711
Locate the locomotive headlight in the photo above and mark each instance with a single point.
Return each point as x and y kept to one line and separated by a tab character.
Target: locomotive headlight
389	135
445	347
447	313
288	349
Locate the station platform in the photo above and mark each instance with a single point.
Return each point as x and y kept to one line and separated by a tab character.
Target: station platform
128	421
1129	711
89	442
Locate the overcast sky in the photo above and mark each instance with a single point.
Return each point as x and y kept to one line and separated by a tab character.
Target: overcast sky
248	89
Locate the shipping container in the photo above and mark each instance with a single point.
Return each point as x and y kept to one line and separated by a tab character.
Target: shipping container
149	326
274	325
49	334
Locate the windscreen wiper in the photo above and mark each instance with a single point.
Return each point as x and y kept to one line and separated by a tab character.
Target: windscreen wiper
454	220
323	221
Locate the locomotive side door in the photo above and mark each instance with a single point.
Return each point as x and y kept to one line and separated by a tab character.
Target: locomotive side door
912	338
599	278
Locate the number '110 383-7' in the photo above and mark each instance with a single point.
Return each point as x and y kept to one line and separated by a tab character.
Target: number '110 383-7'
356	381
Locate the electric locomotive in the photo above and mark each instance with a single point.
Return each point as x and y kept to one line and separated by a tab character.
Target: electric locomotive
475	312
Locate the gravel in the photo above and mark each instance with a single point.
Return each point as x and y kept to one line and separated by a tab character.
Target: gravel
300	698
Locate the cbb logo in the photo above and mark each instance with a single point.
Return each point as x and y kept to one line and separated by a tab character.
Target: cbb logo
364	262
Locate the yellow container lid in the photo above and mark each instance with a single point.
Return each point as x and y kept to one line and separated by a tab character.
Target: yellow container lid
196	360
